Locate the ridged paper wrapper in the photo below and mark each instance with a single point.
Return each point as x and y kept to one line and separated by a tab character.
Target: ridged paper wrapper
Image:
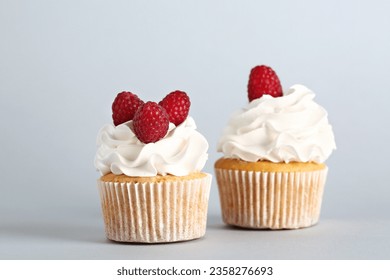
271	200
155	212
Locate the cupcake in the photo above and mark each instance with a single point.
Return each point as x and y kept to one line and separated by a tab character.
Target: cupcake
151	187
272	174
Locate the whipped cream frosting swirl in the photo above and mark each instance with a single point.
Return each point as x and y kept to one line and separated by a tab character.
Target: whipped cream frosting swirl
182	151
283	129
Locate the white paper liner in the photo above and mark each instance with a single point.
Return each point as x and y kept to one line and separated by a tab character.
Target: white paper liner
155	212
274	200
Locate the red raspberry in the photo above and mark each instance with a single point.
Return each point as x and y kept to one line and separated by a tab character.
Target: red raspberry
150	122
124	107
177	104
263	80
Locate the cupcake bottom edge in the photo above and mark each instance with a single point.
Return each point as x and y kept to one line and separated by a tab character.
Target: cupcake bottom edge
155	212
270	200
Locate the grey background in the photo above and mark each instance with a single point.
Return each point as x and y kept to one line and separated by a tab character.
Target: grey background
63	62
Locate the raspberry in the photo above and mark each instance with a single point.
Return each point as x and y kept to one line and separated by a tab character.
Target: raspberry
150	122
177	104
124	107
263	80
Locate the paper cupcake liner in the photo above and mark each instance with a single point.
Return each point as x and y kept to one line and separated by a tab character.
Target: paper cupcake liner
274	200
155	212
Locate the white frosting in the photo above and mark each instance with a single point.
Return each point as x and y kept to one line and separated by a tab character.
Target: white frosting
283	129
182	151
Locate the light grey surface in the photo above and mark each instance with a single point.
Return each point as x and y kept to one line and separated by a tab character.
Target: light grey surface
80	236
62	63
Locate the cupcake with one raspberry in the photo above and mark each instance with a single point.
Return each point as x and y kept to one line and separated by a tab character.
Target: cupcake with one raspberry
272	174
152	186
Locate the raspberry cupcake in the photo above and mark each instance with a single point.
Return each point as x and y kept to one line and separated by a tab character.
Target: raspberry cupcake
151	187
272	174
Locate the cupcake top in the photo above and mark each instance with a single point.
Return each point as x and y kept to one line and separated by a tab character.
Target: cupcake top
278	127
149	139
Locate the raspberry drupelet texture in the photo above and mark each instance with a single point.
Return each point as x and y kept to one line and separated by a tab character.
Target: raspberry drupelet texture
177	104
150	123
125	106
263	80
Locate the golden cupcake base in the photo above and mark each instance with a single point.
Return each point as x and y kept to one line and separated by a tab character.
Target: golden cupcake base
154	209
265	195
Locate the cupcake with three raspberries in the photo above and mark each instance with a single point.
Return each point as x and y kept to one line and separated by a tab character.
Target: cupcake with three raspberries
272	174
152	188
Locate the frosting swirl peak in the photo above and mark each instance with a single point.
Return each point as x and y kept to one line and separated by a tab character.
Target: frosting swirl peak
182	151
283	129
